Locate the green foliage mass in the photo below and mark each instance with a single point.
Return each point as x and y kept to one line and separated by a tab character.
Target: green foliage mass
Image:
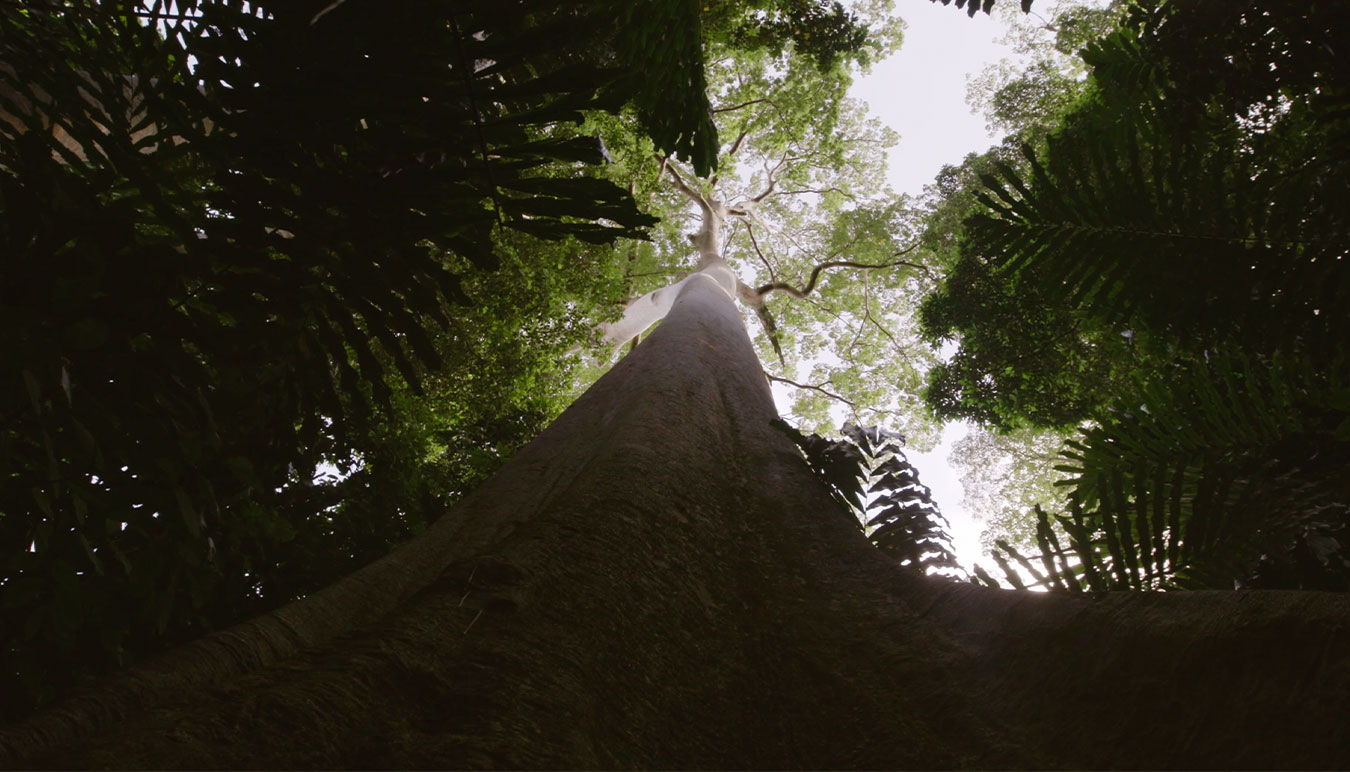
1024	359
281	279
1030	99
1186	224
822	32
803	166
1004	475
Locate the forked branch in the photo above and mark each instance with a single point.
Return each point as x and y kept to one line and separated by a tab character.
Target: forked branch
811	387
683	186
780	286
743	105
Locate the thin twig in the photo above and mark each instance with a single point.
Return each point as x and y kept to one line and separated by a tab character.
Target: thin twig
826	392
762	258
779	286
733	108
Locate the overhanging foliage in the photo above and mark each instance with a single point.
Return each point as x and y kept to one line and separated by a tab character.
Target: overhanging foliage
238	235
1202	217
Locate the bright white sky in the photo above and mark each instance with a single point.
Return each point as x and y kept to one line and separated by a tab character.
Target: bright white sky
921	94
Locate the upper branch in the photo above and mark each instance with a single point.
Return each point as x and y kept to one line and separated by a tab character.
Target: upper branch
743	104
820	389
755	243
773	178
815	274
739	139
686	189
819	192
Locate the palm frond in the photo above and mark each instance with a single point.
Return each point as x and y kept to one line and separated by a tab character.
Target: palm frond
879	490
1230	465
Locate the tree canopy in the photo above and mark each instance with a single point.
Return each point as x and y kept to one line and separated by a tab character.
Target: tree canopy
1167	262
814	234
290	277
248	242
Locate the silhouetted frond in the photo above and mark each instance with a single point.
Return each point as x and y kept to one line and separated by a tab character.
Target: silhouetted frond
1230	466
877	487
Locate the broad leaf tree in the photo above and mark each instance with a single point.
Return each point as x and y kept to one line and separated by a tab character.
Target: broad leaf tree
1189	218
823	253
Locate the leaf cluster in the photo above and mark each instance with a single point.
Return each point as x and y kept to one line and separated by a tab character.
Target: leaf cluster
1202	216
819	30
973	7
1229	472
246	241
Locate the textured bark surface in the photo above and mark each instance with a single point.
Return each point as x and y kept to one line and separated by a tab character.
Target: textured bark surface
659	582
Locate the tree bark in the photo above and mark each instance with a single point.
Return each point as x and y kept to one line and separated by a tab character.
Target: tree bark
658	581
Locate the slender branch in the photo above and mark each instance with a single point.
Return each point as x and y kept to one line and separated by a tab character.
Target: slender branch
767	192
826	392
680	184
792	238
1045	25
916	266
739	139
884	331
781	286
331	6
773	181
857	334
733	108
815	274
684	187
735	231
681	274
762	258
817	191
826	309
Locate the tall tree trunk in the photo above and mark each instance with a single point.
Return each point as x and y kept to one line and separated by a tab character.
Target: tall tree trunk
659	581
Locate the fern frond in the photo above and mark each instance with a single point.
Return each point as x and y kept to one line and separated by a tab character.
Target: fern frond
1227	464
